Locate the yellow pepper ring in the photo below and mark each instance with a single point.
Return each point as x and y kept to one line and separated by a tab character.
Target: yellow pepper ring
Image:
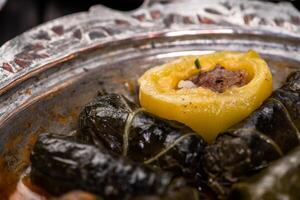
205	111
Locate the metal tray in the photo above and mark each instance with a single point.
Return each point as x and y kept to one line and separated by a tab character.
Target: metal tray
51	71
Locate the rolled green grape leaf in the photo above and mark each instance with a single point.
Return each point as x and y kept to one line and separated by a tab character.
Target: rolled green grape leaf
288	94
122	127
266	135
281	180
61	165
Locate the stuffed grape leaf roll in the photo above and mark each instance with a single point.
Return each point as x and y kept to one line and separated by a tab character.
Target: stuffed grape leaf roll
267	134
122	127
281	180
61	165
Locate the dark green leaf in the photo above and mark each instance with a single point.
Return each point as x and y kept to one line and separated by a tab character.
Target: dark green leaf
123	128
281	179
62	165
267	134
197	63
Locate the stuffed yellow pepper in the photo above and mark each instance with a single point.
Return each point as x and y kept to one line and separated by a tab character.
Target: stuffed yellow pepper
208	93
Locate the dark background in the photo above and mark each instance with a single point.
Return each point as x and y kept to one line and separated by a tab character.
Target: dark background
18	16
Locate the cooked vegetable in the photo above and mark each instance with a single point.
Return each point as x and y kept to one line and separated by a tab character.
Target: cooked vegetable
61	165
111	121
279	181
202	109
266	135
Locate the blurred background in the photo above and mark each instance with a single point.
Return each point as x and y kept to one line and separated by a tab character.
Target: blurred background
17	16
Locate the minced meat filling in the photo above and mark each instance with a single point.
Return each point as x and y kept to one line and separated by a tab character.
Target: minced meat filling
219	79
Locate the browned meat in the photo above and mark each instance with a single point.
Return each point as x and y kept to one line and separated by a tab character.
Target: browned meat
219	79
